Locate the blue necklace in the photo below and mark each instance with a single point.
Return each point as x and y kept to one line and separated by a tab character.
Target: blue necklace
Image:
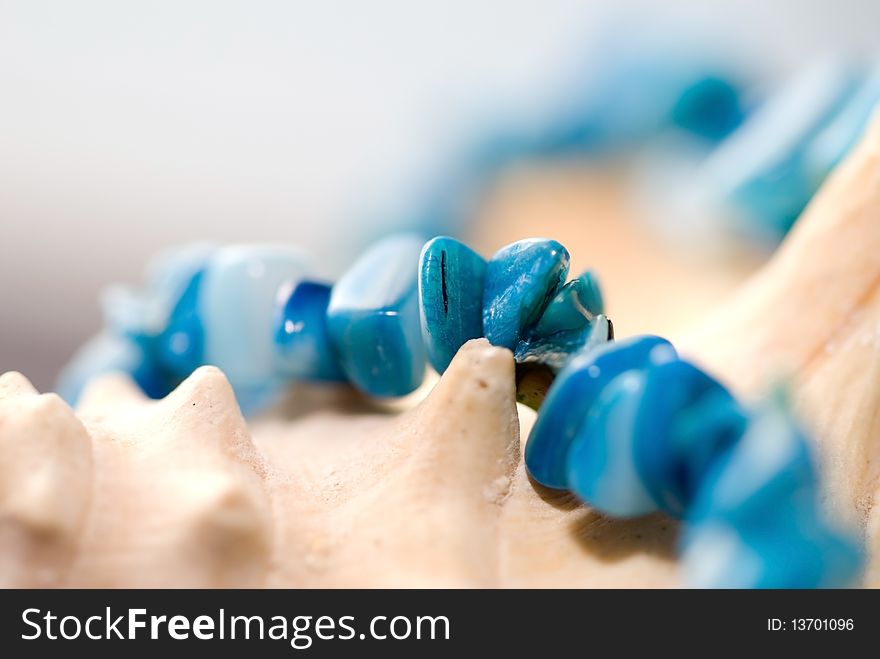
627	426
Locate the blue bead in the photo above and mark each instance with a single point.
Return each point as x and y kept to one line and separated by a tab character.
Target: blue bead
146	312
684	422
573	394
302	345
179	348
108	353
757	512
769	462
555	350
373	318
451	277
787	546
708	106
236	305
601	461
573	307
840	135
762	171
520	280
639	95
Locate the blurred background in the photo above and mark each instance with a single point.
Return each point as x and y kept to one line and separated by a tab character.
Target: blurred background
126	127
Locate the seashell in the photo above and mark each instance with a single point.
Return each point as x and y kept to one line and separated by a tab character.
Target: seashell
431	490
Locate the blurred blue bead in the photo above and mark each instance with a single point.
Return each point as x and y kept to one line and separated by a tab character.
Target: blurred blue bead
756	521
601	462
684	422
636	97
236	305
573	307
302	345
108	353
146	311
710	107
842	133
520	280
373	318
572	396
762	171
451	277
788	546
179	348
769	462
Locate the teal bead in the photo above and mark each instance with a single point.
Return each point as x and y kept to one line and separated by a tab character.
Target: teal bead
601	460
521	279
841	134
573	394
237	308
302	344
788	545
555	350
451	277
684	423
109	352
756	521
179	348
762	171
573	307
147	311
373	318
769	462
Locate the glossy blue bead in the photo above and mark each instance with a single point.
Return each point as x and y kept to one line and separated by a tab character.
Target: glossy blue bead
684	422
451	277
373	318
573	307
520	281
573	394
302	345
601	462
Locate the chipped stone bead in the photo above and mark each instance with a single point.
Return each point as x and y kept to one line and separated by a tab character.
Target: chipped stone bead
684	422
573	307
554	351
302	345
520	280
451	277
373	318
574	393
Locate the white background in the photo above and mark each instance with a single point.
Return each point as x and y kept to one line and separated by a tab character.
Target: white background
126	126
